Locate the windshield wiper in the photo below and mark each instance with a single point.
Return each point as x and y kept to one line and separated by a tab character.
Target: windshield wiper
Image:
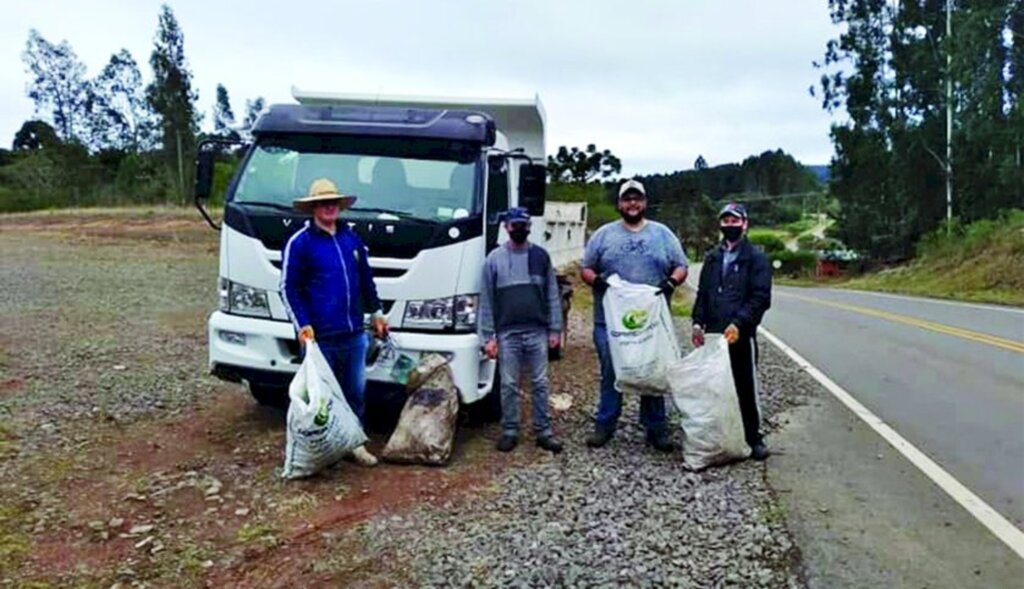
400	214
272	205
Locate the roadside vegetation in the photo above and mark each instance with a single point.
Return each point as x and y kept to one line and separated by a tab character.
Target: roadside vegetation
981	261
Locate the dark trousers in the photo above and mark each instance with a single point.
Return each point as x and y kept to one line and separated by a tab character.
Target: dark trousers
609	405
346	354
743	357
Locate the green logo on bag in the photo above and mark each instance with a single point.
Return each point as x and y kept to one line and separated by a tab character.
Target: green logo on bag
633	320
322	414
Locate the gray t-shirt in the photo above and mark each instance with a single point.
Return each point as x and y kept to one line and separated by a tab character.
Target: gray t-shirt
647	256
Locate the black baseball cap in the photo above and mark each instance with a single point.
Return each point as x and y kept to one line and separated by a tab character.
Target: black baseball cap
733	209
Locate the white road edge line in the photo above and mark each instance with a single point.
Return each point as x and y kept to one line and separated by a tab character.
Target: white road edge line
914	299
983	512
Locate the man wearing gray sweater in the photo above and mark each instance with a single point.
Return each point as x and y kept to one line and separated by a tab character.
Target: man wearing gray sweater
520	318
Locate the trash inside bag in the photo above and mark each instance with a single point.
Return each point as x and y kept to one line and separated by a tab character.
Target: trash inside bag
426	428
321	426
705	394
641	337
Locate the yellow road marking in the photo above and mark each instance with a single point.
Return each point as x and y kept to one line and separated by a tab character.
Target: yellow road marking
984	338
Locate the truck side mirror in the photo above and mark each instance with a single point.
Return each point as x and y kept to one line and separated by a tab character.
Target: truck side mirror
204	174
533	188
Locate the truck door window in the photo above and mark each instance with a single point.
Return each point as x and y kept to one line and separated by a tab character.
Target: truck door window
497	197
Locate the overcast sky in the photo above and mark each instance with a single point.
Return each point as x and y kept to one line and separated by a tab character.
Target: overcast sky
658	83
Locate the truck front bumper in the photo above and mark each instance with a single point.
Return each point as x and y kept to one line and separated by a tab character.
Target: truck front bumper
265	352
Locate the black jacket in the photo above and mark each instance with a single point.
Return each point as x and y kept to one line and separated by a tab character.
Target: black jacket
740	297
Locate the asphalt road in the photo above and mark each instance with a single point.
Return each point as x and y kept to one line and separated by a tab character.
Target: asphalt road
948	377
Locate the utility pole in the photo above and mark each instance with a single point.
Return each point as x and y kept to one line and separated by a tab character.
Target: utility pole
949	117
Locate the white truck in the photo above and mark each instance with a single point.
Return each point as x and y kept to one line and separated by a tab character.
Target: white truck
431	175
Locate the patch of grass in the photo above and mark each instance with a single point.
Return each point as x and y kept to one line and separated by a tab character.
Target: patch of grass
14	543
298	503
774	514
55	469
257	532
188	561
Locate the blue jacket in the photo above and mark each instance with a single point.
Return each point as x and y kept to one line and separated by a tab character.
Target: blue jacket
327	281
741	296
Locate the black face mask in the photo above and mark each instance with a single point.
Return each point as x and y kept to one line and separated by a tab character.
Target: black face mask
519	235
732	233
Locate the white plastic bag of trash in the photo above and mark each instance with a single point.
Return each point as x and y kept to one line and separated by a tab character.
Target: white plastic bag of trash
641	338
705	394
425	432
322	428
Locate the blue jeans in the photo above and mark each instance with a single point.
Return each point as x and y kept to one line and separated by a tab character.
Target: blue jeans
609	408
346	353
518	353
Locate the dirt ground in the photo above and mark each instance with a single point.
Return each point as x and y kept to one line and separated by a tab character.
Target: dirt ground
122	463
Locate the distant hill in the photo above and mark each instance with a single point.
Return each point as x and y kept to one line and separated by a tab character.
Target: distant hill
821	172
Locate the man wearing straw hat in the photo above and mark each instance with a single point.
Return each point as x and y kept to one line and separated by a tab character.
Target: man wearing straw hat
328	284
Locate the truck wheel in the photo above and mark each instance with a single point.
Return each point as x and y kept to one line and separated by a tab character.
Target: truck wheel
270	396
384	404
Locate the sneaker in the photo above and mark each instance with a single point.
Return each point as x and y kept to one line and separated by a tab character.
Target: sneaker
662	443
363	457
759	451
507	442
600	437
550	444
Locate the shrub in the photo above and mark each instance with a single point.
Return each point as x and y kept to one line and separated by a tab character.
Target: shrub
768	241
799	263
798	227
962	240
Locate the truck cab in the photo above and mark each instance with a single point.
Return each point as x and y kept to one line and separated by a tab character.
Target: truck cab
431	176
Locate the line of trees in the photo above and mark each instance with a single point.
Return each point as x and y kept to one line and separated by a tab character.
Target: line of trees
888	71
776	188
113	138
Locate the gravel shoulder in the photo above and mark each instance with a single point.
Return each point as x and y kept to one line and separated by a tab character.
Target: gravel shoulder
122	462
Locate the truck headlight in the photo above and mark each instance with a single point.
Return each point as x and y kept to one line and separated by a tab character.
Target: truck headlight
458	312
428	314
465	312
239	299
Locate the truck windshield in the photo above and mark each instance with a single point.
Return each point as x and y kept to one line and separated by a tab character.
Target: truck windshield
388	185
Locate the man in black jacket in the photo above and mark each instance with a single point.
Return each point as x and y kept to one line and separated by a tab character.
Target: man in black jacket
734	293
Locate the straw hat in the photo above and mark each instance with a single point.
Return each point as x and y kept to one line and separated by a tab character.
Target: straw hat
323	190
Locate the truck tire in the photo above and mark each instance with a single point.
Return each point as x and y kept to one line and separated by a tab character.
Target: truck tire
270	396
384	404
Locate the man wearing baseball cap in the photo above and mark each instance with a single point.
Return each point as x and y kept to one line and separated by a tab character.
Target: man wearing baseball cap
520	319
734	293
642	252
327	284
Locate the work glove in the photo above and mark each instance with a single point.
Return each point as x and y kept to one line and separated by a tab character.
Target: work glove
554	340
491	348
668	286
306	334
599	283
380	327
732	333
698	336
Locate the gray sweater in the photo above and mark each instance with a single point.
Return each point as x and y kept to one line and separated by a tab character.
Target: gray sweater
518	292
